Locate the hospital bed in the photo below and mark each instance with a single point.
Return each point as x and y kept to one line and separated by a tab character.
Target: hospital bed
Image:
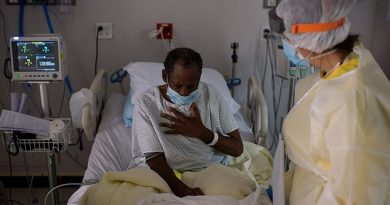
111	149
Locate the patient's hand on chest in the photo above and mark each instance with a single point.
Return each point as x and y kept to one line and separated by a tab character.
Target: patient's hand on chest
189	125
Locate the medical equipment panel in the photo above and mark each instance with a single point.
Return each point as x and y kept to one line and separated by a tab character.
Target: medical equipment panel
40	58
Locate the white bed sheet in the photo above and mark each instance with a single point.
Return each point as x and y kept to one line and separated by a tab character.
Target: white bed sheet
111	150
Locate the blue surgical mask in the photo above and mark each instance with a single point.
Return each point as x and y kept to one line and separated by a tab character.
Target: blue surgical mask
294	56
177	99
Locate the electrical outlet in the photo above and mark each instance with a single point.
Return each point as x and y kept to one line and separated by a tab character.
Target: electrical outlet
167	31
106	33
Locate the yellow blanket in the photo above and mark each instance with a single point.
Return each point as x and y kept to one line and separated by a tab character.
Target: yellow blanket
238	181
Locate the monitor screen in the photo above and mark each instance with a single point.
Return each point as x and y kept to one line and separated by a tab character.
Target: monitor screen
35	56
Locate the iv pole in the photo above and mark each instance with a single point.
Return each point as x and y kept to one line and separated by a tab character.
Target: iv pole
51	161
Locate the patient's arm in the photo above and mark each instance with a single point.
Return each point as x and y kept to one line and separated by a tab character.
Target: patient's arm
192	126
231	145
161	167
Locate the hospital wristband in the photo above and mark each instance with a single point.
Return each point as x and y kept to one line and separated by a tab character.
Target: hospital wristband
215	140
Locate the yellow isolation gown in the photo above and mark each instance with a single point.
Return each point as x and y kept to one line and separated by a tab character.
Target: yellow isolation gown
338	136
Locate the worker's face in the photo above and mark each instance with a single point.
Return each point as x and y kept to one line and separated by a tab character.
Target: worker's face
183	80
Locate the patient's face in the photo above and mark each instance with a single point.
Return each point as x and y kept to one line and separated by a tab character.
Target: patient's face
184	80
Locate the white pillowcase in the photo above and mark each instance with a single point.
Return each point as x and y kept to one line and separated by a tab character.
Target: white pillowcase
144	75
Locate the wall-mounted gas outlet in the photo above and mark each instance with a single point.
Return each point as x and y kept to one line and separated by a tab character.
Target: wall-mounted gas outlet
167	31
266	32
269	3
106	33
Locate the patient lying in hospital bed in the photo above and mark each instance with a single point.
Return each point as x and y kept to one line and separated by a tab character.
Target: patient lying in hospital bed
174	133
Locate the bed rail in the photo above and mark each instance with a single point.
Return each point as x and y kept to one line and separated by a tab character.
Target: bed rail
91	112
257	112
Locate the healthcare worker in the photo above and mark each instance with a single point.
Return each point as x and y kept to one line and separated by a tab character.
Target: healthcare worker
338	133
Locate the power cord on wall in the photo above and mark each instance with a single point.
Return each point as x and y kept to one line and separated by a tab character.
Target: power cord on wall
99	29
6	68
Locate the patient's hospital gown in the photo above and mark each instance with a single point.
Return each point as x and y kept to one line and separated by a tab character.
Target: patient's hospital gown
181	152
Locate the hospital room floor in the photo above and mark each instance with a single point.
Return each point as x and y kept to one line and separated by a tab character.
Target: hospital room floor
23	195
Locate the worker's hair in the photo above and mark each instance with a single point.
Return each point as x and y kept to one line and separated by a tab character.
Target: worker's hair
183	56
347	45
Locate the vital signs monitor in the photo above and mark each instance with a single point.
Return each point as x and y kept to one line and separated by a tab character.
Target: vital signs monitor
38	58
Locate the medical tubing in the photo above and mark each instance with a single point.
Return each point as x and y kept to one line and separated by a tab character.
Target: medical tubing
62	185
75	160
30	182
46	12
21	17
151	156
14	140
100	28
7	73
265	67
10	174
68	84
279	97
274	73
277	126
273	84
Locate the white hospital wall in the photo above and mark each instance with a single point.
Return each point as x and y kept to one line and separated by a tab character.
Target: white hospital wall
381	35
208	26
362	20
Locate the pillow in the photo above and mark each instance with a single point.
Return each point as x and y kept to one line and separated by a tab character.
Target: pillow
144	75
112	112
